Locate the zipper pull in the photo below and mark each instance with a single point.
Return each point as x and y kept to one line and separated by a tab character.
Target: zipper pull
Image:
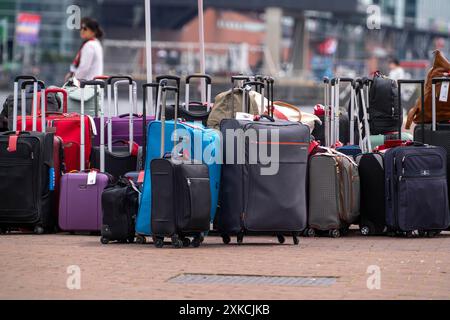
400	178
188	182
32	155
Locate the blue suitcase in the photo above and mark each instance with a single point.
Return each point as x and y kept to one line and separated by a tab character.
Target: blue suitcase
208	151
416	190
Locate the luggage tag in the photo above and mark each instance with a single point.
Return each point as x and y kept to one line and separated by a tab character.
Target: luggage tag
92	178
51	180
12	142
141	177
244	116
444	92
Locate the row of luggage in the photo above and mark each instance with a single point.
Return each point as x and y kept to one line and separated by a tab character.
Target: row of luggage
317	188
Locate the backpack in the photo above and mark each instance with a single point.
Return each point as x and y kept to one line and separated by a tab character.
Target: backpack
384	112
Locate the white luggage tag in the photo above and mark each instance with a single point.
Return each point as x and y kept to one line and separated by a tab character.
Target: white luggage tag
92	178
444	92
244	116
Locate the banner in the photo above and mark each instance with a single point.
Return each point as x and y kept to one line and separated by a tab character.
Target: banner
27	28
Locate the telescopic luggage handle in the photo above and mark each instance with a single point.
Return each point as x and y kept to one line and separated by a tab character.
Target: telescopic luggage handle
116	94
44	104
145	86
208	83
422	95
101	84
26	81
247	87
164	78
164	90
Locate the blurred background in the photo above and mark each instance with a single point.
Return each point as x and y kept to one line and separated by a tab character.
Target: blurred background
297	42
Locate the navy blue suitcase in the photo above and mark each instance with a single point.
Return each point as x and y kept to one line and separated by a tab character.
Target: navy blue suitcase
416	190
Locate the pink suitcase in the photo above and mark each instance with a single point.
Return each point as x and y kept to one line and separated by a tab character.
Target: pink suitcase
80	205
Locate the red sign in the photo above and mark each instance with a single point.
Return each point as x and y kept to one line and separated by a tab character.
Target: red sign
27	28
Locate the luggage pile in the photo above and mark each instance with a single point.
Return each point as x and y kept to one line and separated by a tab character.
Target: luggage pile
245	165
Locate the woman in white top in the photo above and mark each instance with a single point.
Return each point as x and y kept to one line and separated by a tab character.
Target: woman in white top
88	62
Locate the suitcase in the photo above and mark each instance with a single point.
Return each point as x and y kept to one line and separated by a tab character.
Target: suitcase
416	190
181	198
196	111
26	177
123	158
198	143
80	207
253	201
120	203
120	123
334	193
437	134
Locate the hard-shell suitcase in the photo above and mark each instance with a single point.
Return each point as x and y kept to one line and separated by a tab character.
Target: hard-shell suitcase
119	159
437	134
26	177
255	197
416	190
334	193
198	143
120	203
80	207
181	197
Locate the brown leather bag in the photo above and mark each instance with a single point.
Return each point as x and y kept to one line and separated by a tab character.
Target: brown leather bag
441	68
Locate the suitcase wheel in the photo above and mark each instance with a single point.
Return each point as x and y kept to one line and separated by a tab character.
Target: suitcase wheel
140	239
39	230
335	233
158	242
131	239
186	242
240	238
295	239
281	239
310	232
104	240
176	242
365	231
226	239
197	241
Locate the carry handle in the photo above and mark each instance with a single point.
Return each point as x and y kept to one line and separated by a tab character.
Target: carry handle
112	79
177	79
208	84
25	77
145	86
83	84
265	116
422	97
101	77
164	90
27	83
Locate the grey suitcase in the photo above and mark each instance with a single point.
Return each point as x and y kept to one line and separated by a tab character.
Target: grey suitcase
334	193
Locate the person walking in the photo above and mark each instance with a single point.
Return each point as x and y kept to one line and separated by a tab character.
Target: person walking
88	62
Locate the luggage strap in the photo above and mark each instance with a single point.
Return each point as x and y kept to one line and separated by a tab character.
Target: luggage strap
12	143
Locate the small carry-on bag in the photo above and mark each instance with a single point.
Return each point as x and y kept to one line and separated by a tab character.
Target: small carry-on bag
181	197
334	193
80	205
263	195
119	159
194	111
120	203
416	190
26	176
198	143
436	134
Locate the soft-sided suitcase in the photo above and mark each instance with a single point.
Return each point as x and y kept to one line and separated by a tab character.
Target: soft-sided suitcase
416	190
120	124
436	134
120	203
80	206
334	193
256	200
123	158
198	143
181	197
26	178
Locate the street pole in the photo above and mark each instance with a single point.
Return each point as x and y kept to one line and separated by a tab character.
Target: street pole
201	37
5	40
148	53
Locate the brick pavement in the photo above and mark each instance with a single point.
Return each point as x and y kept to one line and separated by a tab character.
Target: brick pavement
35	267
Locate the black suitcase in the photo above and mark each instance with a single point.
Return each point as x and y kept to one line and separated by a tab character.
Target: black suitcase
441	135
372	205
27	181
120	203
255	202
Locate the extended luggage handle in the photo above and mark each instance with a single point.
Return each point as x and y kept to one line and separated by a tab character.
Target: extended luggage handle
326	98
422	95
246	97
208	84
120	79
41	89
26	80
434	82
269	81
335	106
44	111
164	90
83	84
235	79
359	85
116	94
163	80
99	77
145	86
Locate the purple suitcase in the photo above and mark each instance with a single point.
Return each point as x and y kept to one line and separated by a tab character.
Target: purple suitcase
121	123
80	206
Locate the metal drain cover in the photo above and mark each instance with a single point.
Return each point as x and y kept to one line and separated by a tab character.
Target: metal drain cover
254	280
